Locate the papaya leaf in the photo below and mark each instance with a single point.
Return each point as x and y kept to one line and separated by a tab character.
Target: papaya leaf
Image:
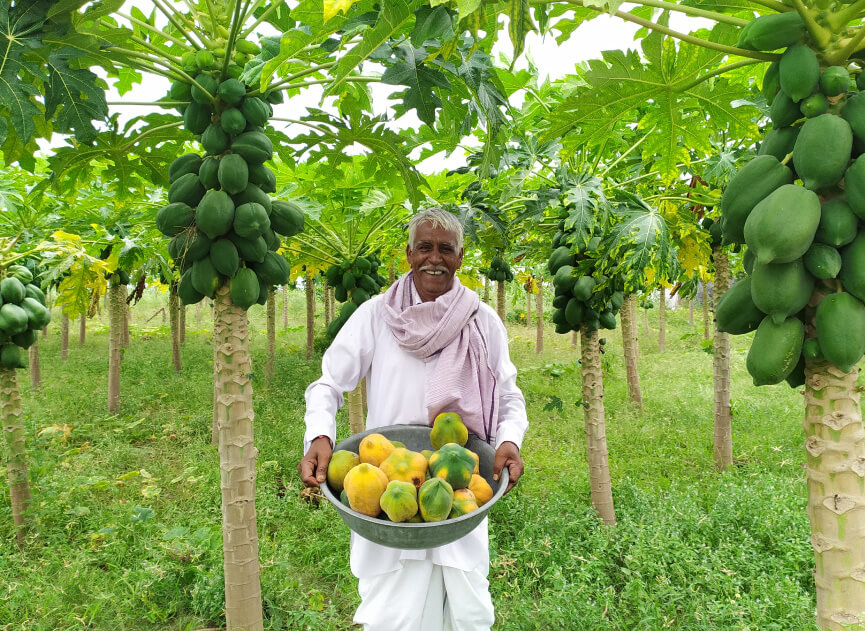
421	80
520	24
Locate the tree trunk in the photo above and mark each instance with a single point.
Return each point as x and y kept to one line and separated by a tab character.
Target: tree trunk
596	432
391	272
174	318
363	397
284	307
355	410
629	345
16	455
310	315
237	456
181	322
723	441
662	321
487	282
575	337
82	329
271	335
64	337
325	297
116	308
528	308
126	314
198	315
539	316
214	427
646	320
691	311
35	372
501	296
706	319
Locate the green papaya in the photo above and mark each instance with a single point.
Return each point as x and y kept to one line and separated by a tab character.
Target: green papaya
784	111
187	163
779	142
208	173
781	227
187	189
781	289
799	71
771	83
13	319
205	278
196	117
38	316
250	220
11	356
272	239
186	292
617	300
574	312
607	320
754	182
215	140
35	292
250	250
811	350
232	121
273	270
215	214
359	295
263	178
253	146
231	91
21	273
12	290
841	329
852	274
244	288
204	88
796	378
583	288
771	32
561	256
822	151
224	256
233	173
814	105
174	218
559	317
179	91
854	113
838	224
564	278
561	301
835	80
189	246
253	194
255	111
286	218
368	284
854	187
748	261
340	293
775	350
823	261
736	312
25	339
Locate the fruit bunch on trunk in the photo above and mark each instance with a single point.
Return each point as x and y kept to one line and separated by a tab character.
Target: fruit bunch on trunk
224	227
798	206
22	314
499	270
354	282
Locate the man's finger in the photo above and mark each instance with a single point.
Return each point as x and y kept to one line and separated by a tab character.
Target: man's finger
306	476
321	472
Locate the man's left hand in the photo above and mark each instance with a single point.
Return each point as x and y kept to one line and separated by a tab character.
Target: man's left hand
508	455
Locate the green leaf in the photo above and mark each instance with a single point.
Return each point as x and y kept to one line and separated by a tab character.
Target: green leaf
76	93
519	25
420	79
431	24
584	197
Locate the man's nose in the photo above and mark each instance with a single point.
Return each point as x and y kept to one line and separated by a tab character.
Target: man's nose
435	256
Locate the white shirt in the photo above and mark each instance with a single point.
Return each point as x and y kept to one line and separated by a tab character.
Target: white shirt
396	388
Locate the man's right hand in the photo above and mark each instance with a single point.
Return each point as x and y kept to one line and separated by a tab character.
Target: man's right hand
313	466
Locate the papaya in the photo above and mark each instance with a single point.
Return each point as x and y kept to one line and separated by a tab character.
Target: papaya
174	218
607	320
35	292
273	270
838	224
251	193
255	111
231	91
477	462
835	80
186	292
775	350
753	183
21	273
399	501
811	350
374	448
771	83
205	89
435	499
38	316
779	142
781	289
215	140
574	312
253	146
215	214
187	189
204	58
822	151
561	256
397	444
208	173
748	261
196	117
11	356
244	288
179	91
348	281
233	173
852	274
854	187
799	71
841	330
464	502
784	111
823	261
560	319
364	485
814	105
448	427
406	466
187	163
189	246
341	462
483	492
224	256
781	227
771	32
263	178
854	113
263	292
564	278
583	288
368	284
25	339
13	319
796	378
205	278
286	218
232	121
12	290
454	464
250	220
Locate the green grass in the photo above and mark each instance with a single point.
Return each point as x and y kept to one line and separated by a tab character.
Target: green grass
126	508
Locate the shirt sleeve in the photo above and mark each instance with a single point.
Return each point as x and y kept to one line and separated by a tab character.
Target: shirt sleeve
513	420
343	365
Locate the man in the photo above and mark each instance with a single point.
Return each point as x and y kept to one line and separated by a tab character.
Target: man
428	345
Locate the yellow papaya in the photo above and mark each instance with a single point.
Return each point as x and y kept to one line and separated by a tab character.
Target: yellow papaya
448	428
481	489
463	504
477	462
341	462
406	466
453	464
435	499
399	500
364	485
374	448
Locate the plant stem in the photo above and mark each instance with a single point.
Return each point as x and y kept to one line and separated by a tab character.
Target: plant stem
320	130
162	54
842	17
850	47
150	103
693	11
628	151
329	261
147	27
718	71
820	34
138	138
232	36
250	10
274	5
300	74
171	18
170	73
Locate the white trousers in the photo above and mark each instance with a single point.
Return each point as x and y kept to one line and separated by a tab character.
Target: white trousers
422	596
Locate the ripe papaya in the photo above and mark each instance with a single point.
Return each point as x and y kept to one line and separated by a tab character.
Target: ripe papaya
771	32
838	224
754	182
174	218
208	173
781	289
224	256
784	111
854	187
781	227
215	214
852	274
244	288
454	464
374	448
399	501
187	163
231	91
341	462
854	113
205	278
775	350
232	121
463	504
253	146
822	151
187	189
799	71
233	173
779	142
196	117
448	427
483	492
841	329
364	485
823	261
435	499
561	256
835	80
215	140
406	466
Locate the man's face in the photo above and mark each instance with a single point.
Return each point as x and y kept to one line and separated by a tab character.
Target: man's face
434	260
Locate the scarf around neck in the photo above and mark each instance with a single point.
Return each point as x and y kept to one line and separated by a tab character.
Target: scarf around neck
447	328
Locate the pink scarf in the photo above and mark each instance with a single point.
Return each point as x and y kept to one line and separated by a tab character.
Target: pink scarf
463	381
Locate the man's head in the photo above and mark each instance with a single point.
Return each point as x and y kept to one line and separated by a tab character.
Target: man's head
434	251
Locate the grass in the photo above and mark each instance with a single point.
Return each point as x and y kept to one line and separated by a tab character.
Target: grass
126	508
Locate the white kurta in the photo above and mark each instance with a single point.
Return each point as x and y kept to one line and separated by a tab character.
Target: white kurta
396	388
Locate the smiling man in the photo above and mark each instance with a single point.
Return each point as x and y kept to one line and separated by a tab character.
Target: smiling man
427	345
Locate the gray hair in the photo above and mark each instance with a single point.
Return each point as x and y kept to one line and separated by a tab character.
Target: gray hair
438	218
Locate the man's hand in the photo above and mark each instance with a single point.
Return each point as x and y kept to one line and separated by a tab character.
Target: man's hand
508	455
313	466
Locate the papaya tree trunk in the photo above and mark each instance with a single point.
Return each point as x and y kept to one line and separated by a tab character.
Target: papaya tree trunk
174	318
237	456
284	307
629	346
528	308
691	311
198	315
271	335
16	452
35	371
539	316
706	318
325	299
214	427
501	296
363	397
662	321
310	315
82	329
355	410
125	321
575	338
636	329
64	337
487	290
181	322
596	432
116	316
723	435
391	272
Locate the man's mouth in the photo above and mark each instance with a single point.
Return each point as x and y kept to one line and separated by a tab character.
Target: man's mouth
433	271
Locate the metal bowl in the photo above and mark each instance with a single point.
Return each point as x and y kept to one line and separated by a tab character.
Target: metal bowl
422	535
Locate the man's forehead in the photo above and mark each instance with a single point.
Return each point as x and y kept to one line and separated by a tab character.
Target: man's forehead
427	233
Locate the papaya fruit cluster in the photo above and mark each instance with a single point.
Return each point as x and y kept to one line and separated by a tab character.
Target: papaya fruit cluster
222	223
579	298
388	481
499	270
354	282
22	315
797	207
